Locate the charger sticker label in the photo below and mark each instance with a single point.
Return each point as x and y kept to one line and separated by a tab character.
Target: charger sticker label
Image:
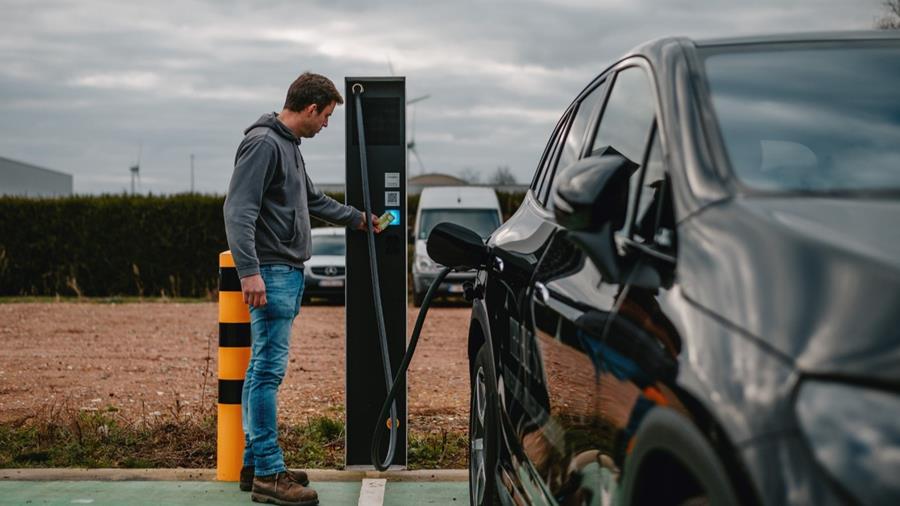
392	199
392	180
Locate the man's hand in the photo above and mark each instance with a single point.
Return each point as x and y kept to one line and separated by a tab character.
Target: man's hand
254	289
374	219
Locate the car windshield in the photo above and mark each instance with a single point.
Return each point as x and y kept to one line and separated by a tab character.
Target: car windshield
809	117
328	245
481	221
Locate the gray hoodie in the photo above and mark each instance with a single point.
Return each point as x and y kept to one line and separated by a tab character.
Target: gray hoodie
270	199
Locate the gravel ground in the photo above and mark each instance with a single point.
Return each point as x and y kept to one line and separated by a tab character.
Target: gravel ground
159	358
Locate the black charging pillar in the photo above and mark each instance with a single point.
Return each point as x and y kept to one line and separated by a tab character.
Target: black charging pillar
384	121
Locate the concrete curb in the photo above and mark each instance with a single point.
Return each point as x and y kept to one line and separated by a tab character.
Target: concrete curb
182	474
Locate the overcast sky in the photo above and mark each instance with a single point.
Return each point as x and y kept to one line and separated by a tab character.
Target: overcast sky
84	83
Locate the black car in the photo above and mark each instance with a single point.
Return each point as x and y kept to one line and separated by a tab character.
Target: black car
698	301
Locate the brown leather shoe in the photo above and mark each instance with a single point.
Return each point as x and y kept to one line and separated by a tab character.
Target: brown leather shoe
281	489
248	471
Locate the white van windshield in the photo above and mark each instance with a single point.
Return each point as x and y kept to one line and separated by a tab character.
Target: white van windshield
481	221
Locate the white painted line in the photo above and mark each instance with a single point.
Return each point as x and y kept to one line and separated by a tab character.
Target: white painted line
372	492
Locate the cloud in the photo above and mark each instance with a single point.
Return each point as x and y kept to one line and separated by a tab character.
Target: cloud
119	80
85	81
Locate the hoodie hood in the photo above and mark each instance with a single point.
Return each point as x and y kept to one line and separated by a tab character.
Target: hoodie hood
270	120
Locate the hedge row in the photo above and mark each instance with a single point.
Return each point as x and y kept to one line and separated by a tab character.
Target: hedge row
121	245
111	245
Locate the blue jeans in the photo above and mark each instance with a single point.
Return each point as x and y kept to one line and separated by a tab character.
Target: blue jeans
270	327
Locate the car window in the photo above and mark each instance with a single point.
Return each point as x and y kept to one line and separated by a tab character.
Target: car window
571	148
628	115
539	172
643	187
541	177
652	214
553	159
829	123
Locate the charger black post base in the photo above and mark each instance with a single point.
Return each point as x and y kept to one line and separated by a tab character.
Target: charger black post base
384	122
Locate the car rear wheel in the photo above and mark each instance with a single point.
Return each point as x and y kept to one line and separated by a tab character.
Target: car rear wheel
671	462
483	441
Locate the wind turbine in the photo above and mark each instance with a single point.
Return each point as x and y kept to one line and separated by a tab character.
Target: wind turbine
390	65
411	145
136	169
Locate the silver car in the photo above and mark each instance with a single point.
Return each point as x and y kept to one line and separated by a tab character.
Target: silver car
325	271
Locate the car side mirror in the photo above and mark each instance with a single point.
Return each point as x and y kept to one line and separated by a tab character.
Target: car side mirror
591	201
594	191
456	246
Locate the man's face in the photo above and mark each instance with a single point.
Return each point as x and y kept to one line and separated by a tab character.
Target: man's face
317	119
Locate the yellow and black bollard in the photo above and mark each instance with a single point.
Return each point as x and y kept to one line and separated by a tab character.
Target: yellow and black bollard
234	355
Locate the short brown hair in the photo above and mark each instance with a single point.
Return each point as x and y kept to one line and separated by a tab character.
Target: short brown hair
309	89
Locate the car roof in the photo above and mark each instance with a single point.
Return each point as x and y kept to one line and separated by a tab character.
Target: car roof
654	48
328	231
666	55
458	197
801	37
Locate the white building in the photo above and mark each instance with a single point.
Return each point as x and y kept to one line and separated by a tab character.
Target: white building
26	180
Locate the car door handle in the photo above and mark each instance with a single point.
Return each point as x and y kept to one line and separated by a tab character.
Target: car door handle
542	292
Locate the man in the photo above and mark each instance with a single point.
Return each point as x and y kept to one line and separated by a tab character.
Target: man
267	210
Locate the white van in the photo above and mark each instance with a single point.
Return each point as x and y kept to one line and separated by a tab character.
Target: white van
472	207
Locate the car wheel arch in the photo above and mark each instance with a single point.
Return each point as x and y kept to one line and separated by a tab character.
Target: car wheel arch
667	442
481	352
479	332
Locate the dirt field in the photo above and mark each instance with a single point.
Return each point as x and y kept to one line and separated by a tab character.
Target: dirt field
153	359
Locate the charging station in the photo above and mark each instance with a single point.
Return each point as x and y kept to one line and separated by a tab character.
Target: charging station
383	101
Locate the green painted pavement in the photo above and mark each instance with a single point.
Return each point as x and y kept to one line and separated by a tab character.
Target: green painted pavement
211	492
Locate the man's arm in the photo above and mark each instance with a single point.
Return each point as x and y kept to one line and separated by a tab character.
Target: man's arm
326	208
253	170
